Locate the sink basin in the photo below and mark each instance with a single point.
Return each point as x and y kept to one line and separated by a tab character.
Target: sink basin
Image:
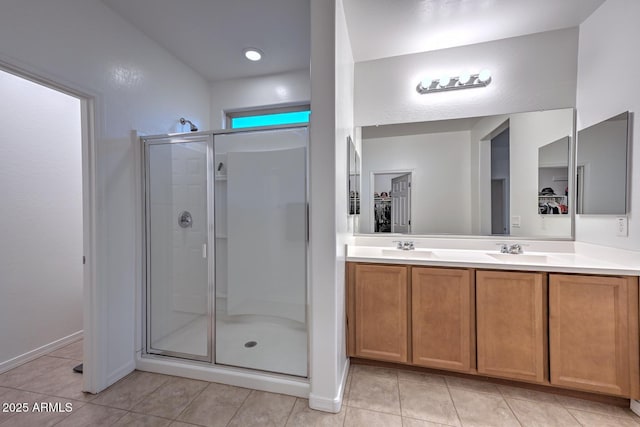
521	258
412	254
456	255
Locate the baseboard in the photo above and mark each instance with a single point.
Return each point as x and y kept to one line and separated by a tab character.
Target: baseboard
40	351
635	406
331	405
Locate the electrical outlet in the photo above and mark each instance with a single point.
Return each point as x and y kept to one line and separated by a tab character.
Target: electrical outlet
621	226
515	221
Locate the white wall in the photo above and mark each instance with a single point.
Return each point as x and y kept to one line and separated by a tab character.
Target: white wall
137	85
532	72
550	177
527	132
440	194
41	211
331	106
606	38
382	182
265	204
480	155
344	126
240	94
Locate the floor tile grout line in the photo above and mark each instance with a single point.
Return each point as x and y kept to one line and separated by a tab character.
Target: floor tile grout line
455	408
137	401
432	422
573	416
166	380
291	411
346	408
240	407
130	411
64	357
596	412
399	395
372	410
71	414
511	409
509	406
54	395
568	409
191	401
121	417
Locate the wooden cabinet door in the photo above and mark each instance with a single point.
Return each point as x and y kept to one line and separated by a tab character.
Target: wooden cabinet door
379	318
512	325
593	329
443	318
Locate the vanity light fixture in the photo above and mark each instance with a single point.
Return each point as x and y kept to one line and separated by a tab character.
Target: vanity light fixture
462	81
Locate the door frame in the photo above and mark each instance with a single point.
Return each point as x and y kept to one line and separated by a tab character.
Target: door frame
147	142
94	376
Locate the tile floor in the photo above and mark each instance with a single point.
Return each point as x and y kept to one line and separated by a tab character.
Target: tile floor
373	397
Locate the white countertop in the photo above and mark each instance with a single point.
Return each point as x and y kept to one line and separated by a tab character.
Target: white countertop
560	262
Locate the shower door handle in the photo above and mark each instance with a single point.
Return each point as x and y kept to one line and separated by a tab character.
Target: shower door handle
204	250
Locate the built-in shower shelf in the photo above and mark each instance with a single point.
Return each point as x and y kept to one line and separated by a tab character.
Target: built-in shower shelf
221	178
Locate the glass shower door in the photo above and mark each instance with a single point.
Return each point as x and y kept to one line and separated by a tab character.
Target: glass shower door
261	242
177	245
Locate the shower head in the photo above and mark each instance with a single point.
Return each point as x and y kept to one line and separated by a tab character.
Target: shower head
184	121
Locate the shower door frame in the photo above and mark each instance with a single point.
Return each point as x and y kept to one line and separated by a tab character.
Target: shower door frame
211	242
205	137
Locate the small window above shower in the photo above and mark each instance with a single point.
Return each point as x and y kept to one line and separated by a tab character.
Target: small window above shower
279	116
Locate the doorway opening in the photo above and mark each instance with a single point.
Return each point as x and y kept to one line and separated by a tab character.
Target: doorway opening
46	247
500	173
391	202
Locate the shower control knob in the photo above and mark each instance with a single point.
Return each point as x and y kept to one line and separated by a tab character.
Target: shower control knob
185	220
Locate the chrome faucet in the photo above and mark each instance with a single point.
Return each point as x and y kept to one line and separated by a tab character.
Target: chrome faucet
514	249
407	245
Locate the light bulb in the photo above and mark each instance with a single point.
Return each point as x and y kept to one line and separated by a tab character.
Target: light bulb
426	82
444	81
484	76
253	54
464	78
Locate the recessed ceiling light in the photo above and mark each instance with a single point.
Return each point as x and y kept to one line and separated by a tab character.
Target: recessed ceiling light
253	54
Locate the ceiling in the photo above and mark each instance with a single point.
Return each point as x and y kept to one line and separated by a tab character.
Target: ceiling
210	35
383	28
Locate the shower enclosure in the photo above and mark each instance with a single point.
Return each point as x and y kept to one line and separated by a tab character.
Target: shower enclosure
226	248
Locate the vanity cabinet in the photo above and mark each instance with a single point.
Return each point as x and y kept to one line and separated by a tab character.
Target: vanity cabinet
593	329
443	318
512	325
378	312
571	331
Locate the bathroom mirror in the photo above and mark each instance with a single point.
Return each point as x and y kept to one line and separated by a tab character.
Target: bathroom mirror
475	176
553	178
602	167
353	160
